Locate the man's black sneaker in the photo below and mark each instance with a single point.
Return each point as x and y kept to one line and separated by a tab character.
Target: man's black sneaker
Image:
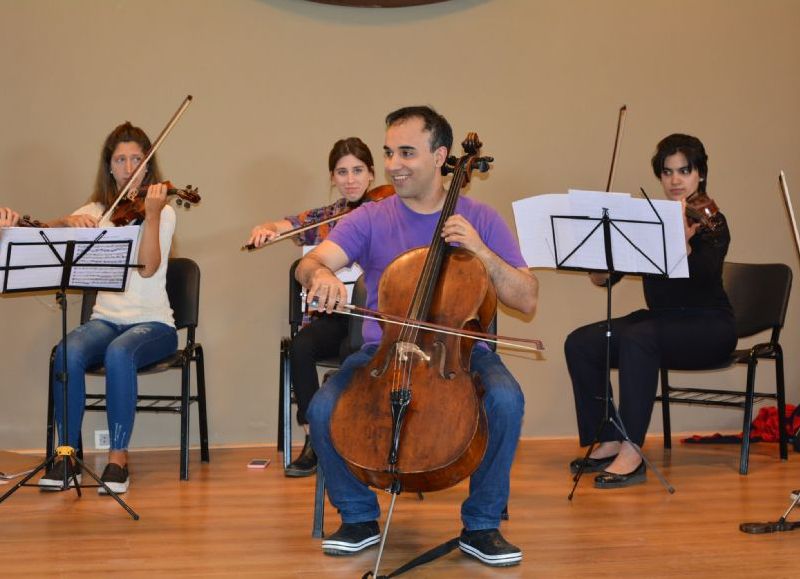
352	538
53	479
488	546
116	478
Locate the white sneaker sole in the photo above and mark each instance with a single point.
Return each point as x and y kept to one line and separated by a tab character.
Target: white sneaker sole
117	487
341	548
51	484
505	560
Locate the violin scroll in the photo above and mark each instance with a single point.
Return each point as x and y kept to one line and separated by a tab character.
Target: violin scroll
131	206
28	221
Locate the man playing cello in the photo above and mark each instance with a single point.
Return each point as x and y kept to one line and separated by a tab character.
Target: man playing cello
416	147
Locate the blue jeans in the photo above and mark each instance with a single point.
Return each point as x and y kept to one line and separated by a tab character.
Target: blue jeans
489	484
122	349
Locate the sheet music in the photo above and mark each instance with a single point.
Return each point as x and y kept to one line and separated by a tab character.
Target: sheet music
541	238
43	268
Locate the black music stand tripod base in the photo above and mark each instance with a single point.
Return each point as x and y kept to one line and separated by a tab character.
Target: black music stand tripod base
605	224
65	263
68	453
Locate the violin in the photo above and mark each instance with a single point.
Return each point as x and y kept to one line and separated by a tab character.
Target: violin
378	193
28	221
412	418
125	193
700	208
131	206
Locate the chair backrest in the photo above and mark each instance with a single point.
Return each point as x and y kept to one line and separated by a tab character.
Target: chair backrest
183	289
759	294
295	301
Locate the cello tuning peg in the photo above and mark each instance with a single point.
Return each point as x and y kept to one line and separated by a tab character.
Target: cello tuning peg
483	164
179	202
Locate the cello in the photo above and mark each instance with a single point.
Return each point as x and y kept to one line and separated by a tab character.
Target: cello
412	419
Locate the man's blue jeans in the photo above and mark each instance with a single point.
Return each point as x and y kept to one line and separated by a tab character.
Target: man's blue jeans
489	484
121	349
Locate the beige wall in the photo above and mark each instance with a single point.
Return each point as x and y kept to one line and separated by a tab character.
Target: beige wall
277	81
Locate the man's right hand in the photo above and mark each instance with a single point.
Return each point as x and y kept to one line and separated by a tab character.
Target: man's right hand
326	292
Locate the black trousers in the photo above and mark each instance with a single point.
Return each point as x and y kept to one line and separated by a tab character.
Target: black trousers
320	339
641	342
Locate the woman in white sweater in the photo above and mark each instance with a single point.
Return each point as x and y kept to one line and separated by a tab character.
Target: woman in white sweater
129	329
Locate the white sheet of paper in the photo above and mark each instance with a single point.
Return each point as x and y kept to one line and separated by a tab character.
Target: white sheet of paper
543	239
41	254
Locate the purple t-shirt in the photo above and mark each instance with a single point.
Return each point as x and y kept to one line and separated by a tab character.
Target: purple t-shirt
376	233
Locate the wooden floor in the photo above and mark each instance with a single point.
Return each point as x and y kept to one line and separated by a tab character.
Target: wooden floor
231	521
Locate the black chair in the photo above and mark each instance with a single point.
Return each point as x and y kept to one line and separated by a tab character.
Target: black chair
183	288
349	345
759	294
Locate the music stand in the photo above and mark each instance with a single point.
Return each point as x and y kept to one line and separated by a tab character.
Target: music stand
76	258
603	232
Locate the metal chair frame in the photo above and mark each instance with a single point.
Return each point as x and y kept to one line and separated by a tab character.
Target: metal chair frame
183	288
759	294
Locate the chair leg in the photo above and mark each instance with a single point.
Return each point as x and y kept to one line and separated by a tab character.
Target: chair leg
200	370
281	379
285	417
319	505
665	417
51	414
744	460
185	409
780	392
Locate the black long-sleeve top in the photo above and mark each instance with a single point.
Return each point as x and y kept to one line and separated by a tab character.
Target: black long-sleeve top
703	288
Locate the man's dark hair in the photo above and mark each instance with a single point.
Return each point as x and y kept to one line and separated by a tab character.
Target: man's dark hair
440	130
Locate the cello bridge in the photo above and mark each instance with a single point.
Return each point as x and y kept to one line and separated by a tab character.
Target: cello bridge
407	350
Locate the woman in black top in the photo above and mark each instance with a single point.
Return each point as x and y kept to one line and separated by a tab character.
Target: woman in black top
688	324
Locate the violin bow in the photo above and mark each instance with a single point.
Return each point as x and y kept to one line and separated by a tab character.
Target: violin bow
790	209
153	148
297	230
623	110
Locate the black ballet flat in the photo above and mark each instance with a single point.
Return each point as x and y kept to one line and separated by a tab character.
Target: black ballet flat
591	464
610	480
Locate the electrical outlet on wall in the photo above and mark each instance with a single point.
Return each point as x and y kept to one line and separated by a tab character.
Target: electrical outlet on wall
101	440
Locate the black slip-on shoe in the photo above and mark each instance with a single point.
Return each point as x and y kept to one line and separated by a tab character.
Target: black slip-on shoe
610	480
352	538
489	547
591	464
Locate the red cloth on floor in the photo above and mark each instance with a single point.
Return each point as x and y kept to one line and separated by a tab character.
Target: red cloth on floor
764	429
